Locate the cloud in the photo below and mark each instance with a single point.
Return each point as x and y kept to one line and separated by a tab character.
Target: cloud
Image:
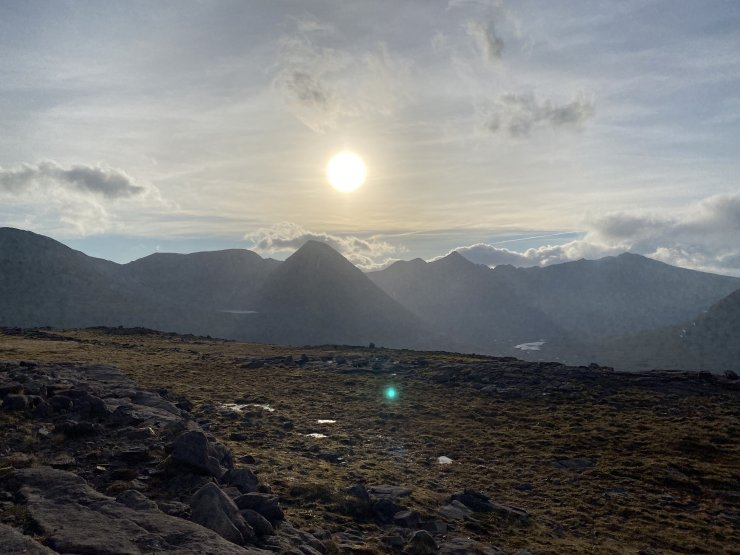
489	44
704	236
367	254
324	86
107	182
521	114
71	200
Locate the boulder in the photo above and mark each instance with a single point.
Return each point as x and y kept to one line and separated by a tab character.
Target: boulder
243	479
421	543
264	503
474	500
212	508
385	509
259	524
91	522
193	449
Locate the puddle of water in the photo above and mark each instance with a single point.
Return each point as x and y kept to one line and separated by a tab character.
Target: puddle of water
444	460
317	436
326	421
238	407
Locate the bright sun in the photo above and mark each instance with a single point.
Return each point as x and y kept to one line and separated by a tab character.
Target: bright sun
346	171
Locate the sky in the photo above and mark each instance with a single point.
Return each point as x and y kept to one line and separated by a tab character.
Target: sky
526	133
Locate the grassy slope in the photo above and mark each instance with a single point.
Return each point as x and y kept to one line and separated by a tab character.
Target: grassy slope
666	462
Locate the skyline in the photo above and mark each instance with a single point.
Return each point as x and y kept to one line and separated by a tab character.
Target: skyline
486	126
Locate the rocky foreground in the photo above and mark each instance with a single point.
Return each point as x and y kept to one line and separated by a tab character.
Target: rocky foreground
220	447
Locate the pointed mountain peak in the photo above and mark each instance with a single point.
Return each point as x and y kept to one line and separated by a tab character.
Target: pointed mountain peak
317	250
453	260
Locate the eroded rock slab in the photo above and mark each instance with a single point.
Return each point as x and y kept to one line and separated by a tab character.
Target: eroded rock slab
74	518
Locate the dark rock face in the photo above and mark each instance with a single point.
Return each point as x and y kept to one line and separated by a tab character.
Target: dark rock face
109	487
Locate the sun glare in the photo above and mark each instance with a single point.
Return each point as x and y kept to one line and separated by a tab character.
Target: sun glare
346	171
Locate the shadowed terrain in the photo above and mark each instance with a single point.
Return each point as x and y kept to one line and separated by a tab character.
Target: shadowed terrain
568	459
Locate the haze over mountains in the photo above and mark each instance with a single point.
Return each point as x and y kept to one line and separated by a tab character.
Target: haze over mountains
626	311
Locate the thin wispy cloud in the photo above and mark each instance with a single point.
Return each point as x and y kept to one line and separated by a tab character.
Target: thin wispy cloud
519	115
487	41
324	86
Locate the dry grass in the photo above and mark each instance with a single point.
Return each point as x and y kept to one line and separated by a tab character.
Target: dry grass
666	474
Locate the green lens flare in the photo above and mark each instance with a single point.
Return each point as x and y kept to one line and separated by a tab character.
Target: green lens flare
391	393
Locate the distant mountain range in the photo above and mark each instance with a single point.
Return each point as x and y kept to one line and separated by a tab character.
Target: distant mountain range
627	311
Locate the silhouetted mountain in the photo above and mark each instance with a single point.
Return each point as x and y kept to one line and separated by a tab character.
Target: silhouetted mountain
627	311
318	296
573	303
464	301
45	283
711	341
617	295
218	280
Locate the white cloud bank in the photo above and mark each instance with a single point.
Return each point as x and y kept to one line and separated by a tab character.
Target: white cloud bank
366	254
705	237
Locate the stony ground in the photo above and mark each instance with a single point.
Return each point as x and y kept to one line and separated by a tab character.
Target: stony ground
572	460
